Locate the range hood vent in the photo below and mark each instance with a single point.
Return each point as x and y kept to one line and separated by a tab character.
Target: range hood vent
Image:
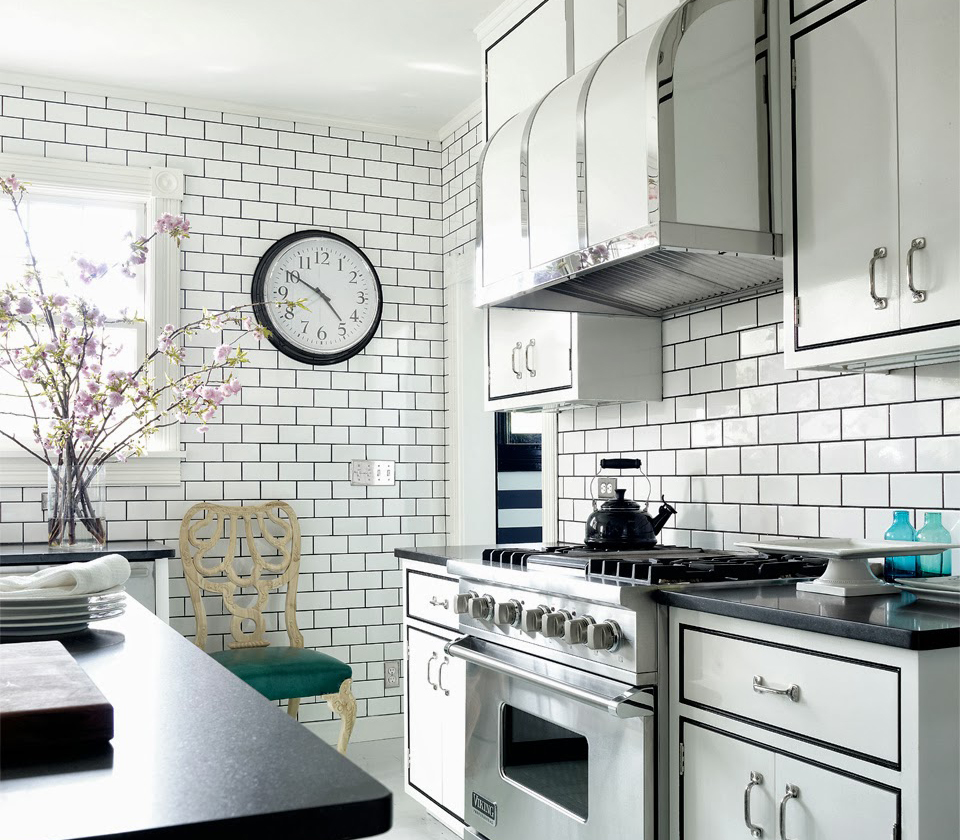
642	183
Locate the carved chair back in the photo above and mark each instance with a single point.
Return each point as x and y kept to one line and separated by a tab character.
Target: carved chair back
208	571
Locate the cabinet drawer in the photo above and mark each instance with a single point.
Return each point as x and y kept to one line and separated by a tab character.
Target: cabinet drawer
430	598
845	704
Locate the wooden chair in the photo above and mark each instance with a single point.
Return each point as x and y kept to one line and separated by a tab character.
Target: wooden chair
278	673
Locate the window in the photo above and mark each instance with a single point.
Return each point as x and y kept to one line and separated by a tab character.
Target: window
84	209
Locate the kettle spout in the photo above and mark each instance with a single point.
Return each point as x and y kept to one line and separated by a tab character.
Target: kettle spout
666	511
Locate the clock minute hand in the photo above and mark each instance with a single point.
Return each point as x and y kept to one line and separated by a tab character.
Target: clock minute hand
325	298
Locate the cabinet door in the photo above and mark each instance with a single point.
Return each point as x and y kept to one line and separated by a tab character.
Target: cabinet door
596	28
424	740
528	351
844	126
453	688
928	103
717	773
830	806
526	63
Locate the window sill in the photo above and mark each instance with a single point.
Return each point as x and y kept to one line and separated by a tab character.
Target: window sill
160	468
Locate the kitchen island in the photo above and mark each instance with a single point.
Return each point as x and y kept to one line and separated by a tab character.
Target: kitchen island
196	753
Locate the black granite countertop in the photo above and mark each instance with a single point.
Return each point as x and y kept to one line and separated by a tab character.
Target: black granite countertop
197	754
25	554
899	620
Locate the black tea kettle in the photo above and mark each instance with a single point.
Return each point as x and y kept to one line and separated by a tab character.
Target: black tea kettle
620	523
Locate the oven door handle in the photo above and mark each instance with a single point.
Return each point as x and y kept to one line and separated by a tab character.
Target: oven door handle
625	705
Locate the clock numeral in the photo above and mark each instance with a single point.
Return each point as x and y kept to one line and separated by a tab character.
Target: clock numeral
321	333
326	258
304	261
354	317
283	291
361	297
304	325
343	329
289	314
353	277
293	276
340	266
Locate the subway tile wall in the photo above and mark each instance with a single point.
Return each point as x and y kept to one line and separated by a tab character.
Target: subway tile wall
294	429
744	447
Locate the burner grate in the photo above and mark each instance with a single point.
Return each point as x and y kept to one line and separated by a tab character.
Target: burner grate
705	568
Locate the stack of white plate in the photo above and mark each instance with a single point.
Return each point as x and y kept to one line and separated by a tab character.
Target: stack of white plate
58	615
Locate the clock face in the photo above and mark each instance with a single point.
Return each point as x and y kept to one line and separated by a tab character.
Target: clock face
334	280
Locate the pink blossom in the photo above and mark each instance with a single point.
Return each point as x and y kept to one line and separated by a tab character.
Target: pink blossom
67	320
58	300
177	226
169	328
25	306
27	374
114	399
90	271
202	430
230	388
222	353
163	344
12	184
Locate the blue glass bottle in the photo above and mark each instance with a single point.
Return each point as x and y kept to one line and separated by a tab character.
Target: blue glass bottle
901	529
934	532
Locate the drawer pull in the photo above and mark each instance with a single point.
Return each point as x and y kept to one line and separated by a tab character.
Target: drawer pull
791	691
792	792
515	360
446	691
755	779
528	357
429	663
878	254
918	244
435	602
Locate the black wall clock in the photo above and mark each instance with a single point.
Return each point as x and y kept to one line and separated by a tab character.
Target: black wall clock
337	283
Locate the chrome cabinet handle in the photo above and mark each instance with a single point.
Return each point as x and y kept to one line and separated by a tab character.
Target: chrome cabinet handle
527	357
429	663
791	691
792	792
918	244
878	302
515	360
755	779
446	691
435	602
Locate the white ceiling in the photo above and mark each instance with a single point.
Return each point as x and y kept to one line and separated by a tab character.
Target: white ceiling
404	64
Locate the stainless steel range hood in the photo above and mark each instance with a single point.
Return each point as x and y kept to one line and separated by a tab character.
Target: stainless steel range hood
641	183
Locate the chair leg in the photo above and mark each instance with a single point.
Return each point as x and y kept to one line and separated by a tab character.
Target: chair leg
344	705
293	706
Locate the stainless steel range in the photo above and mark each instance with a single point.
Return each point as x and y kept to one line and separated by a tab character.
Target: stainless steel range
565	651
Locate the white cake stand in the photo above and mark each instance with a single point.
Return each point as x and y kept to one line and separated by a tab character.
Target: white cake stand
848	561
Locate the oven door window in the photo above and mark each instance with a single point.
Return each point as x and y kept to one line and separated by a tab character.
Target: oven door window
546	759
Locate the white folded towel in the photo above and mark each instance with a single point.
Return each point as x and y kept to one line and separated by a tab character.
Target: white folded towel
87	578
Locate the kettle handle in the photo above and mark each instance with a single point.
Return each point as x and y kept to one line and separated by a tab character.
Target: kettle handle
620	463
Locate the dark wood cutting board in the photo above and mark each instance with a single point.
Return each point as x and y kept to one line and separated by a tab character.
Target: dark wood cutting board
47	701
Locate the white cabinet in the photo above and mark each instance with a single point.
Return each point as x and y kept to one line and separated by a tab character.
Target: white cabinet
598	26
525	62
538	358
434	695
732	787
872	130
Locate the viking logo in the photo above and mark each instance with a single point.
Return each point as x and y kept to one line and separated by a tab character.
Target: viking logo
485	808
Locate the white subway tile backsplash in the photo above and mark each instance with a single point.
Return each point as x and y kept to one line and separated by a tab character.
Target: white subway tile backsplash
916	490
870	422
707	378
819	489
739	316
758	459
676	330
706	433
778	428
741	431
798	396
819	425
938	454
798	521
758	342
799	458
844	522
866	490
891	387
706	323
779	490
723	348
690	354
841	391
938	381
916	418
723	404
691	408
896	455
761	400
845	457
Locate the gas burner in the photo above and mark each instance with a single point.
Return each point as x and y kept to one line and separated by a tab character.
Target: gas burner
705	568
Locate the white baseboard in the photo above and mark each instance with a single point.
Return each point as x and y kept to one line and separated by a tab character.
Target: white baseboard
367	728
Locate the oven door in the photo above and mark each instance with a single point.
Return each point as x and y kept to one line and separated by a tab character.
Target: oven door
552	751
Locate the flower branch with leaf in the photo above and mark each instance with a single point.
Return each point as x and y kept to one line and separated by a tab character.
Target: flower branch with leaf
58	368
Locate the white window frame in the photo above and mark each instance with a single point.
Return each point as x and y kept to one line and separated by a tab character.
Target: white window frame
161	190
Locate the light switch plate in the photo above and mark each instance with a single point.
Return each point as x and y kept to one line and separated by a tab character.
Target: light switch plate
607	488
391	673
373	473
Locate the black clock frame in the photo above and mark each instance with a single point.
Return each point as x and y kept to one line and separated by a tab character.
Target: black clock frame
261	305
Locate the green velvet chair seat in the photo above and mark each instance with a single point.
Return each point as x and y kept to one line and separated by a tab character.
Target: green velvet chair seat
280	673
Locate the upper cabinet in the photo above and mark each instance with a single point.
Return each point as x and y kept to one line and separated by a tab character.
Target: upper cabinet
871	109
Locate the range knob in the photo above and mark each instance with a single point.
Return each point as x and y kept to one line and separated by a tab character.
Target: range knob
461	603
530	619
575	630
604	636
481	607
551	625
507	613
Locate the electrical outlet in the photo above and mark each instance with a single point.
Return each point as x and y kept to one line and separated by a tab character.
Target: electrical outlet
391	673
373	473
607	488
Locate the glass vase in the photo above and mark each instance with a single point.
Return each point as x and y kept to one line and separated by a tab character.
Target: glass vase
934	532
75	503
901	529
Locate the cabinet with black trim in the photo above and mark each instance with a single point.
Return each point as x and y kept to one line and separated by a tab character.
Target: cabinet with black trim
871	131
787	734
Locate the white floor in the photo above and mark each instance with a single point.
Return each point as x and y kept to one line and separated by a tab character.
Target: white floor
384	761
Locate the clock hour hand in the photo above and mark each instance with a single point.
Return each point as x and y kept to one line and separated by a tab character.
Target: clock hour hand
326	299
